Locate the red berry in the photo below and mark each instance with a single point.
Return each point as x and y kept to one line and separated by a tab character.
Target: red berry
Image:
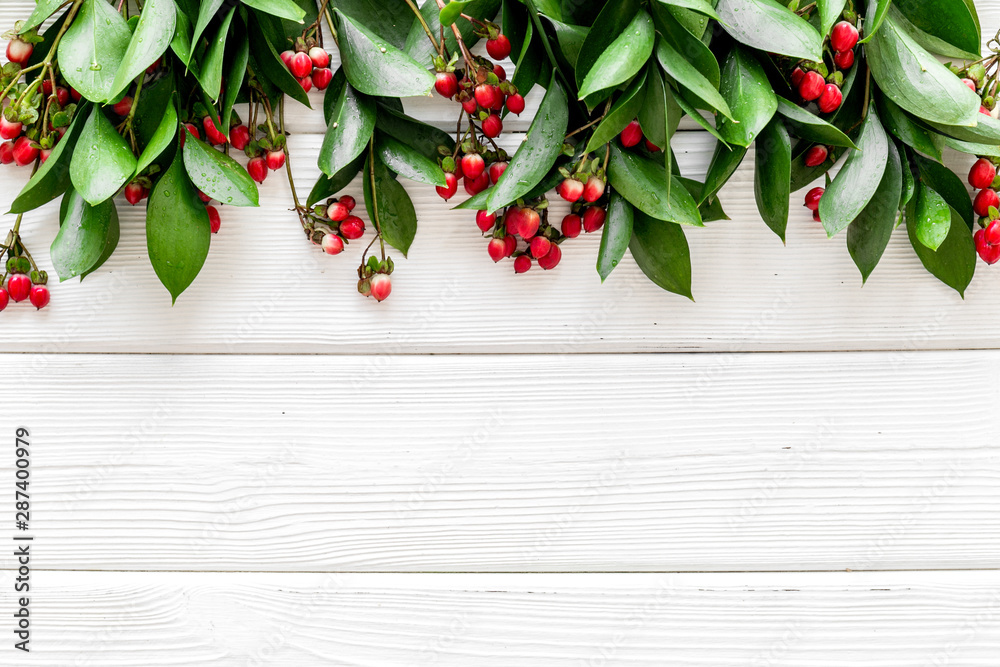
476	185
593	218
301	65
322	77
214	221
486	95
500	72
18	51
239	137
843	37
522	264
831	99
970	83
485	221
570	189
25	152
333	244
497	249
19	287
123	106
62	96
381	285
4	298
39	296
203	197
512	220
348	201
155	66
352	228
797	75
7	152
515	104
451	187
984	200
10	129
982	174
510	245
572	225
319	57
75	94
43	155
275	160
812	198
993	232
551	259
446	84
470	106
988	252
844	59
984	110
212	133
134	193
498	104
530	222
473	165
496	171
492	126
287	57
540	246
192	130
651	147
816	216
307	83
593	190
631	135
337	211
816	156
498	48
257	169
812	86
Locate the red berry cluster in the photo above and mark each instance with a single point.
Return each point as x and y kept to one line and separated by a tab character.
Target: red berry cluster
812	201
983	177
310	64
815	82
23	283
332	225
374	280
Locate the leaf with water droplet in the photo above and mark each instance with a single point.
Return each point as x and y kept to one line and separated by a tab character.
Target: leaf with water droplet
207	168
98	173
90	53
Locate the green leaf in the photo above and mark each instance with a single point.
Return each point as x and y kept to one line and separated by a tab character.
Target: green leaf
234	80
376	67
689	77
811	127
659	114
571	39
857	181
868	235
83	234
750	96
539	150
285	9
418	47
701	6
452	11
350	128
829	13
177	229
682	41
52	178
710	211
211	67
725	161
769	26
92	49
692	112
103	161
944	181
420	136
218	175
952	21
991	150
43	10
623	58
263	35
110	244
408	162
181	43
206	13
986	130
150	40
327	186
907	131
909	183
914	79
930	42
396	215
613	20
932	217
954	262
527	61
661	251
162	139
874	17
616	235
641	181
623	111
773	169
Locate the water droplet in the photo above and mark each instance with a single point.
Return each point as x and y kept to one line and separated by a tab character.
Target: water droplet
382	49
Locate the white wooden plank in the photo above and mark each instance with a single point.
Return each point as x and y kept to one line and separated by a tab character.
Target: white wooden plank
513	463
696	620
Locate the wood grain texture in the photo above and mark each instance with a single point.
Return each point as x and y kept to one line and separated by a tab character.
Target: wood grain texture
514	463
698	620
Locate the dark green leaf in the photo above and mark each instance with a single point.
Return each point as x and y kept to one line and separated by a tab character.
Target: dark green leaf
234	80
874	17
904	129
952	21
151	39
954	262
829	13
930	42
613	20
181	43
83	234
211	67
692	112
285	9
327	186
868	235
659	114
748	92
623	58
710	211
571	39
623	111
408	162
218	175
641	181
682	41
110	244
206	13
909	183
700	6
811	127
689	77
376	67
43	10
769	26
420	136
395	214
725	162
616	235
773	169
350	128
263	34
103	161
92	49
986	130
661	251
161	140
52	178
803	175
527	61
931	217
948	185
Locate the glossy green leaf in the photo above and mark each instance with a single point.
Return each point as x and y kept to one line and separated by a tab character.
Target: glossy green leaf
772	171
452	11
211	67
206	12
692	112
162	139
811	127
285	9
614	18
177	229
725	162
103	161
931	217
829	13
83	234
751	98
903	128
52	178
616	235
952	21
954	262
396	215
661	251
150	40
701	6
686	75
43	10
418	47
986	130
769	26
181	43
418	135
710	211
989	150
539	150
909	183
641	182
623	58
110	245
263	35
694	49
218	175
874	17
623	111
350	128
868	235
930	42
234	80
571	39
327	186
659	114
803	175
408	162
376	67
92	49
944	181
914	79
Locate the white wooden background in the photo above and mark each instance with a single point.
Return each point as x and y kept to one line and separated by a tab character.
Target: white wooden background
478	472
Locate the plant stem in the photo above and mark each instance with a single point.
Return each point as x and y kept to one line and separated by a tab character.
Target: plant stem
371	175
423	24
288	159
459	41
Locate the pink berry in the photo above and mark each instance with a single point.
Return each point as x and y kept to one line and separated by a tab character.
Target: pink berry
275	160
4	298
497	249
509	245
10	129
214	221
812	198
333	244
123	106
993	232
812	86
843	37
25	151
337	211
500	72
470	106
593	218
530	222
19	287
134	193
348	201
43	155
984	110
301	65
321	78
307	83
540	246
970	83
498	48
19	51
257	169
39	296
631	135
451	187
239	137
816	216
446	84
570	189
381	285
522	264
486	95
831	99
515	104
797	75
512	219
572	225
485	221
593	190
473	165
984	200
816	156
352	228
551	259
844	59
492	126
319	57
982	174
287	57
7	152
496	171
476	185
651	147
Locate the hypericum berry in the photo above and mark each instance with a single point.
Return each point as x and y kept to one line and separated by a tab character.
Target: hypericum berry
352	228
486	95
551	259
512	219
450	188
348	201
287	57
593	218
522	264
530	222
203	197
25	151
984	200
498	48
572	225
319	57
239	137
62	96
476	185
4	298
811	86
381	286
593	190
843	37
510	245
816	156
816	216
496	171
446	84
7	152
301	65
984	110
500	72
337	211
43	155
570	189
796	76
275	160
970	83
993	232
333	244
651	147
492	126
75	94
214	221
18	51
10	129
307	83
831	99
192	130
988	252
812	198
39	296
982	174
497	249
631	135
473	165
470	106
515	104
485	221
540	246
257	169
212	133
134	193
844	59
19	287
123	106
321	77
